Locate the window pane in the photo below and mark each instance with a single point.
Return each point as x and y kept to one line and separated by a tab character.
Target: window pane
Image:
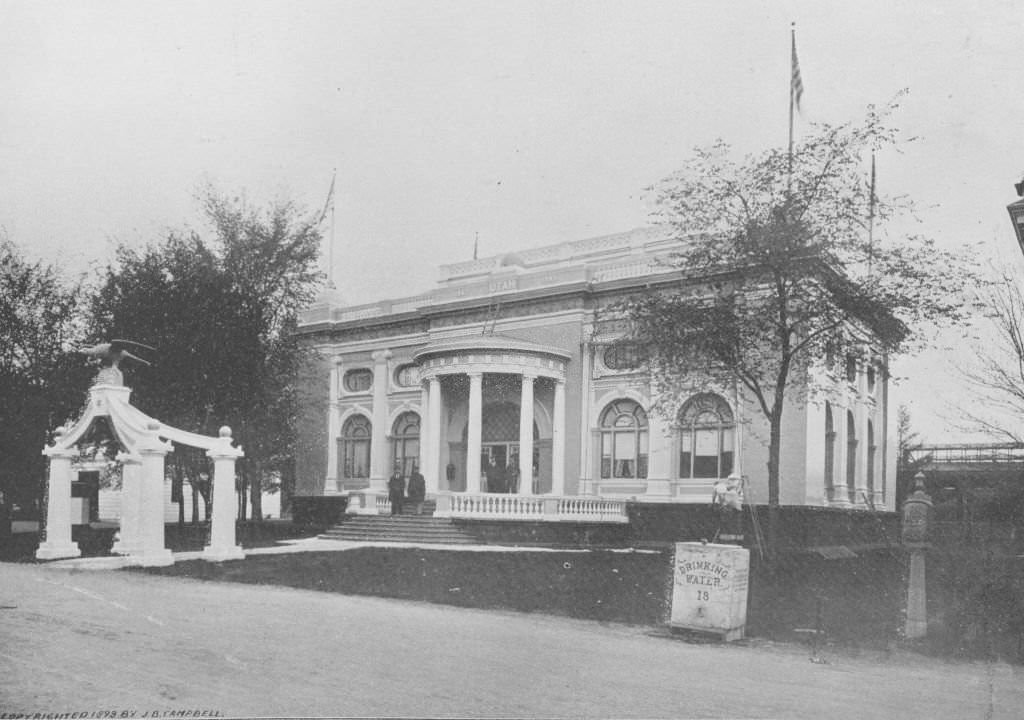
625	446
606	455
624	468
707	442
705	466
726	463
685	458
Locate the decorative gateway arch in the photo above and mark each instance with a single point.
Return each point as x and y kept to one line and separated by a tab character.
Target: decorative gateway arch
144	444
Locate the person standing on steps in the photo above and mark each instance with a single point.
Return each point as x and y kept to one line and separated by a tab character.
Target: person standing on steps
417	489
396	491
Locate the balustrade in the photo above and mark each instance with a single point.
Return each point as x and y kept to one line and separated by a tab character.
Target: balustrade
546	508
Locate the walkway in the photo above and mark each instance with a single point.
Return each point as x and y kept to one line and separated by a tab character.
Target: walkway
134	643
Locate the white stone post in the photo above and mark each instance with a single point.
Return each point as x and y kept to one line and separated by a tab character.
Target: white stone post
129	536
380	468
473	432
58	543
152	452
432	483
222	525
526	436
558	440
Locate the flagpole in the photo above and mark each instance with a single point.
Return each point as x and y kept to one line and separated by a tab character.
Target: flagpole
476	243
330	253
871	217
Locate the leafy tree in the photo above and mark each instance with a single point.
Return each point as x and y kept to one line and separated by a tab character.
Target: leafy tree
781	264
220	313
41	383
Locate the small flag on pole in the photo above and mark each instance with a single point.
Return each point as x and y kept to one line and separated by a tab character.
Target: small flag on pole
796	85
330	200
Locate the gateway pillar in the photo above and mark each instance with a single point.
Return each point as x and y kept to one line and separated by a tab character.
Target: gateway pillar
222	525
58	543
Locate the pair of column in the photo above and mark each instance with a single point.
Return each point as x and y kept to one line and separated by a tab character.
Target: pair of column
474	437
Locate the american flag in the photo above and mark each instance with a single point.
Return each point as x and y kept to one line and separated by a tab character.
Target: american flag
796	84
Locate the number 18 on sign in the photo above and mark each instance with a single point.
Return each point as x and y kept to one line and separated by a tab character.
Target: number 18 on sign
709	589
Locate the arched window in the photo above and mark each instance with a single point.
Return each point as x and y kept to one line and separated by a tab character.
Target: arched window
624	440
707	437
355	448
406	442
851	453
830	448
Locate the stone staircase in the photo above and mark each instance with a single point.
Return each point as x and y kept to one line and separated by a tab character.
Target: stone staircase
405	528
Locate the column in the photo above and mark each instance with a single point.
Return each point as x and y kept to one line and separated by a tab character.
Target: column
558	440
129	536
434	433
58	542
152	452
222	523
526	436
425	443
380	468
473	433
333	429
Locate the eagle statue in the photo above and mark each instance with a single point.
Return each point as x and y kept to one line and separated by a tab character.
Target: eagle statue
111	354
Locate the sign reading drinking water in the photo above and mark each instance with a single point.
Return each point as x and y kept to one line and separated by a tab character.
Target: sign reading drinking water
709	588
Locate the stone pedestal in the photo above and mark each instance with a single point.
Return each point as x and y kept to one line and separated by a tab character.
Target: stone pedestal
917	611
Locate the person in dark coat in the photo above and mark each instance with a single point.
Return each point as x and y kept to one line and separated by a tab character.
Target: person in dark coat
417	489
396	491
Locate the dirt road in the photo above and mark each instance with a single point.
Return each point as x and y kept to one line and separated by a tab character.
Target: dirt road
127	643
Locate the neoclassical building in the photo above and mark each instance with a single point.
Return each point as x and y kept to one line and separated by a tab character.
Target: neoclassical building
517	396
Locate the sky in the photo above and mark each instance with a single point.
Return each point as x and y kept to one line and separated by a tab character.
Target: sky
525	123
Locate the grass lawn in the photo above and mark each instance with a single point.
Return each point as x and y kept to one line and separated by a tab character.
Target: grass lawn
598	585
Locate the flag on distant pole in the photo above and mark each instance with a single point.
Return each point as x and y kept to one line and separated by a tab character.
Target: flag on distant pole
329	204
796	82
796	94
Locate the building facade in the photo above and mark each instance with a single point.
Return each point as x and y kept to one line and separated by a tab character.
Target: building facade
515	392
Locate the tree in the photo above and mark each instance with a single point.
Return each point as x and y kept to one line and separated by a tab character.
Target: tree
780	266
42	384
220	313
996	375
